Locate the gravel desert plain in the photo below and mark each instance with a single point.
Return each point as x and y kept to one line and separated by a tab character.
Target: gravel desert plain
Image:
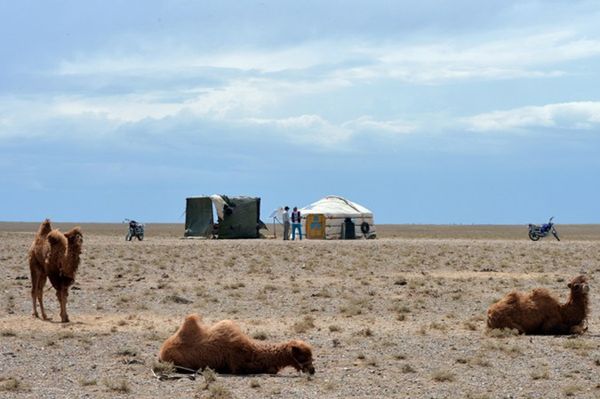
401	316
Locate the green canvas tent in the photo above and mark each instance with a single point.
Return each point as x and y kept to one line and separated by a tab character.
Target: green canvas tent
237	217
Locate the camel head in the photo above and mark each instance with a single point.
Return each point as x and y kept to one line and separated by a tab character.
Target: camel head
579	285
302	354
75	237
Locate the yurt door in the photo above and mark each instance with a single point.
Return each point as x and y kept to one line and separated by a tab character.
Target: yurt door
315	226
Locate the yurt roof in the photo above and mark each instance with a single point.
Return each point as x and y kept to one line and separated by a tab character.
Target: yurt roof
334	205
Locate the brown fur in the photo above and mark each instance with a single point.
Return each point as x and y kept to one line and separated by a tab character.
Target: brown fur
226	349
538	312
54	255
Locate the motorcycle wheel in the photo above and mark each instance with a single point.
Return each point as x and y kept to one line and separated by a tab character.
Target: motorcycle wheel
128	237
140	237
533	236
555	234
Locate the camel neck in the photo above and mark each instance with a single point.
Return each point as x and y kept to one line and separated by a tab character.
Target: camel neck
576	309
72	261
273	357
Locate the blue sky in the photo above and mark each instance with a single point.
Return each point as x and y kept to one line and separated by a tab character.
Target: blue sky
424	112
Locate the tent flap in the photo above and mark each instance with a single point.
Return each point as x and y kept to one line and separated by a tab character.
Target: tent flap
198	217
238	217
241	218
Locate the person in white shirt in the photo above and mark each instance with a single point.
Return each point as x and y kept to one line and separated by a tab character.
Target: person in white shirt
286	223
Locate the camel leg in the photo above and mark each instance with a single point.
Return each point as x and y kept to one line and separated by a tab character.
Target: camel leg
41	282
62	294
36	274
34	288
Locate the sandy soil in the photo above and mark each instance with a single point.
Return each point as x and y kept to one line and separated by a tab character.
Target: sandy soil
401	316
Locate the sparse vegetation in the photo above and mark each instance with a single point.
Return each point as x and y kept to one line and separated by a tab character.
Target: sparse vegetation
11	384
119	384
254	383
571	390
540	373
163	367
88	382
408	309
260	335
127	352
302	326
443	376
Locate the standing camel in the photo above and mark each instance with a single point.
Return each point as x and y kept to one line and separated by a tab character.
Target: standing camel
54	255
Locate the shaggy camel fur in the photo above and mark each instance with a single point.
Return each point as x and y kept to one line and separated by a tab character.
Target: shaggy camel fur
54	255
226	349
538	312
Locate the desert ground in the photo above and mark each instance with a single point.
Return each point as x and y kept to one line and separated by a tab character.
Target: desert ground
402	316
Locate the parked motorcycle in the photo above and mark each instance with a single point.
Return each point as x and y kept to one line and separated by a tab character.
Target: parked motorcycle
135	230
536	232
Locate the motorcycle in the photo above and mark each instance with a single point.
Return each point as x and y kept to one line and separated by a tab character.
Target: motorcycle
135	230
536	232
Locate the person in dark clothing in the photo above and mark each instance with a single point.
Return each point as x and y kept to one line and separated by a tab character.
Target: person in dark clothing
296	223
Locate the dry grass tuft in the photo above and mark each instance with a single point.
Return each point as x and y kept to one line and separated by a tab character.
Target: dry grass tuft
127	352
540	373
260	336
571	390
307	323
502	332
443	376
579	344
213	389
119	384
8	333
254	383
88	382
11	384
163	367
176	299
407	368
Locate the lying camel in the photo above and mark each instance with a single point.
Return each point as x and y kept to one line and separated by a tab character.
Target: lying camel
226	349
538	312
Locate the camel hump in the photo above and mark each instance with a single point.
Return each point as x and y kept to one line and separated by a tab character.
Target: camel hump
226	325
227	330
191	327
193	318
45	228
56	238
540	293
512	297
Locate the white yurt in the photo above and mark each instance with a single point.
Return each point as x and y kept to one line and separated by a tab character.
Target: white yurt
335	217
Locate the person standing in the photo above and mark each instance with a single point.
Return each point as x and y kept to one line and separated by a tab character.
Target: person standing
296	223
285	218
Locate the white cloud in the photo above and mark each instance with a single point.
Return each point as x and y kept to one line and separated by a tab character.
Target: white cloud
572	115
239	99
105	117
368	124
305	129
517	54
315	130
163	60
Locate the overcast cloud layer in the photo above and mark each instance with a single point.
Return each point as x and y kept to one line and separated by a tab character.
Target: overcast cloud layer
441	112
